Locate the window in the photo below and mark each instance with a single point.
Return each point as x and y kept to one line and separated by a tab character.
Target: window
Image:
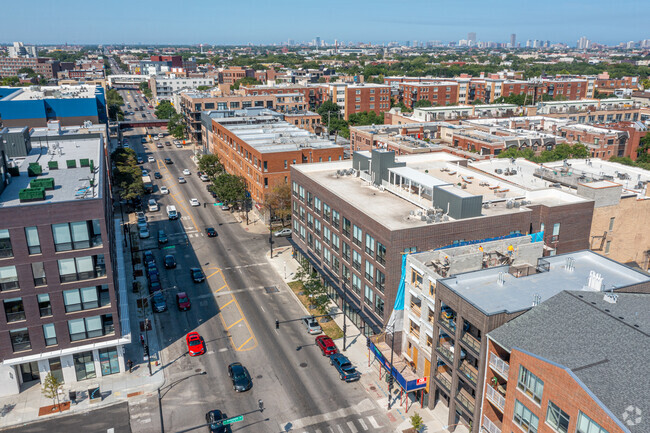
82	268
20	340
327	256
346	227
370	245
327	211
109	361
356	283
317	205
587	425
44	305
608	245
556	229
530	385
345	273
370	272
557	418
525	418
357	235
14	310
345	252
369	295
90	327
310	199
76	235
38	271
84	365
335	242
356	260
310	220
317	226
50	334
336	218
381	253
381	281
5	244
86	298
326	234
335	264
416	278
611	224
8	278
379	306
33	242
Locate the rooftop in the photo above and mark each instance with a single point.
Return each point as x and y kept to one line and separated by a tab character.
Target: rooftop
604	345
53	92
572	271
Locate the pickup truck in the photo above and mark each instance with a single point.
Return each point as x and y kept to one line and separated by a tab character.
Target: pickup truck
344	367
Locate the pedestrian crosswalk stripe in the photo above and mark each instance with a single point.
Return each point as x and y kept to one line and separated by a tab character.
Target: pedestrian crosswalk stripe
352	427
363	424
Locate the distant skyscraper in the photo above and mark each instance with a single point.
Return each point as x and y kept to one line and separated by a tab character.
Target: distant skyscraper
20	50
513	40
318	41
471	38
583	43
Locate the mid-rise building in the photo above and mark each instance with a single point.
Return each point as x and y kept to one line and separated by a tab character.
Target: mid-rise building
46	67
437	93
163	88
231	74
18	49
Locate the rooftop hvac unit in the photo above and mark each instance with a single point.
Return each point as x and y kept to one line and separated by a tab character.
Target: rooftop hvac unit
509	204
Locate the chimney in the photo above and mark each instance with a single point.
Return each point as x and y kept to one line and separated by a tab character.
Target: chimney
513	124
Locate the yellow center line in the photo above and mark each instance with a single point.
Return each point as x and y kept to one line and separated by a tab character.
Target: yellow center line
235	322
244	343
227	303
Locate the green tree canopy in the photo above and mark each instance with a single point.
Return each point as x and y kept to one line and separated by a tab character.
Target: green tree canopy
176	126
210	165
246	81
114	102
422	103
229	188
126	174
29	71
165	110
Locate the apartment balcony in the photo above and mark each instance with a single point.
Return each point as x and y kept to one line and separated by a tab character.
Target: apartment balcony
415	309
489	426
495	397
466	400
448	321
499	366
447	351
472	342
469	371
444	378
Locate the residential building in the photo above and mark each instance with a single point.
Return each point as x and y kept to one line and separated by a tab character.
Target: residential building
353	220
402	139
20	50
366	97
574	363
307	120
314	95
437	93
48	68
163	88
231	74
35	106
58	280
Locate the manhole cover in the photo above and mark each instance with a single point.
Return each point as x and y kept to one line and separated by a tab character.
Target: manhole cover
271	289
259	376
303	364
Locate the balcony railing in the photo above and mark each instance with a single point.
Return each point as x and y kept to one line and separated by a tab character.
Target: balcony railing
472	342
415	309
444	351
469	371
445	380
450	324
415	332
489	426
465	400
499	365
495	397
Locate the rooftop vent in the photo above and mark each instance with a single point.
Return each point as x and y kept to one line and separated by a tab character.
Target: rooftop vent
595	281
570	264
610	297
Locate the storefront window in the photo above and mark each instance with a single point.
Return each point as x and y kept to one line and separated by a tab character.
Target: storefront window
109	361
84	365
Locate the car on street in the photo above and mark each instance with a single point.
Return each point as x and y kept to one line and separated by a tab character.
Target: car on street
161	135
211	232
187	172
156	138
205	178
164	190
195	344
194	202
143	140
177	142
179	145
162	237
225	206
142	218
158	303
170	261
139	160
159	145
183	301
151	159
145	172
326	345
157	175
197	275
344	367
283	232
241	379
144	232
213	418
148	258
312	325
154	287
181	179
168	161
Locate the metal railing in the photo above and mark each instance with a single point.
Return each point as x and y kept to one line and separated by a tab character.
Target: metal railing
465	401
442	378
499	365
495	397
472	342
448	354
489	426
471	375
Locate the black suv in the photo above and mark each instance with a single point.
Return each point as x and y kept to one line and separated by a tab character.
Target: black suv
197	275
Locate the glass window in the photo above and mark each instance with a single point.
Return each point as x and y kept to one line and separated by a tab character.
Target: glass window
317	204
50	334
370	245
90	327
381	253
345	273
84	365
326	234
76	235
557	418
109	361
80	235
530	384
356	260
327	211
14	310
356	283
347	225
20	340
8	278
336	217
33	241
381	281
369	295
5	244
587	425
44	304
38	271
370	272
62	237
335	242
357	235
525	418
379	306
556	229
327	256
82	268
72	300
345	252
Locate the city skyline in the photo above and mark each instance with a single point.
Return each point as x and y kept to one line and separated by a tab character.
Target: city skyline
362	22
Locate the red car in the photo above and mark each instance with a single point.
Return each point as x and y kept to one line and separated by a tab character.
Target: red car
195	344
183	301
326	345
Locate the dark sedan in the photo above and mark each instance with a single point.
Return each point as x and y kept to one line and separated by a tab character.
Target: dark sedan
214	418
241	380
158	303
212	233
170	261
157	175
197	275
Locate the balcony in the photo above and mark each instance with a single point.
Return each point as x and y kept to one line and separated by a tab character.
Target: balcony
415	309
489	426
465	400
446	319
447	351
444	378
469	371
472	342
495	397
499	366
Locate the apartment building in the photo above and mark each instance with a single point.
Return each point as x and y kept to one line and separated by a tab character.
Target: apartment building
572	364
402	139
262	148
231	74
471	304
366	97
58	280
438	93
314	94
353	220
307	120
602	143
48	68
164	87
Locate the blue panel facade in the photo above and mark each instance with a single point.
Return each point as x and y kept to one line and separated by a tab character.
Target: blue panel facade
10	110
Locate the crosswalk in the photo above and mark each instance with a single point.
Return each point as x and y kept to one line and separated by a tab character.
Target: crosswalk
351	424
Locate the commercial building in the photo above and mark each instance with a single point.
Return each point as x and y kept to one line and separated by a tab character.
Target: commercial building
58	280
163	88
48	68
354	219
262	148
35	106
575	363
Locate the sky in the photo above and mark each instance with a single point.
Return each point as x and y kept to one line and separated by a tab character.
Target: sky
223	22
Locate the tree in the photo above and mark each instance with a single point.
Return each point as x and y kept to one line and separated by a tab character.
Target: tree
328	110
246	81
416	421
422	103
165	110
114	102
229	188
144	88
280	200
304	271
126	174
50	389
202	88
176	126
29	71
366	118
210	165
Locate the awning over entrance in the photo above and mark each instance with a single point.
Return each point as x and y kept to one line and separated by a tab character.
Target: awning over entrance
402	372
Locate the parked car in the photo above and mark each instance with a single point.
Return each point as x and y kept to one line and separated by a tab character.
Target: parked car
144	232
162	237
194	202
158	303
157	175
195	344
143	140
159	145
139	160
151	159
213	418
170	261
168	161
312	325
164	190
283	232
211	232
225	206
344	367
187	172
155	287
181	179
197	275
326	345
141	217
179	145
183	301
148	258
241	379
205	178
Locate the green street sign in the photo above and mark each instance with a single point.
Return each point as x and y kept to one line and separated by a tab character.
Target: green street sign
169	247
232	420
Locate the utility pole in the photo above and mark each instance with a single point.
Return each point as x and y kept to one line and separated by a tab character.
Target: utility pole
271	229
146	344
345	303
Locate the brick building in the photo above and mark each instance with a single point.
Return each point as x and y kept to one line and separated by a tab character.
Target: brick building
572	364
48	68
366	97
403	139
438	93
307	120
171	61
314	95
231	74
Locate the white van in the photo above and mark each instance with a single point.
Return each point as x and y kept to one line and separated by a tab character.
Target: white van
153	206
171	212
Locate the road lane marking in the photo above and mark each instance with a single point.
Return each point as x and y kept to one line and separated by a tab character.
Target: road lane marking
213	274
221	288
373	422
227	303
245	342
363	424
224	349
352	427
236	323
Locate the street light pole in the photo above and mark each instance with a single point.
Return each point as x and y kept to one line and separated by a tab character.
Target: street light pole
345	302
271	229
390	380
148	349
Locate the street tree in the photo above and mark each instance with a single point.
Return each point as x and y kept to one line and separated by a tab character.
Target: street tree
280	200
164	110
114	102
328	110
422	103
126	173
176	126
210	165
50	389
229	188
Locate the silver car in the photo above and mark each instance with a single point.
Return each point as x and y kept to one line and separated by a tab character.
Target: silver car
312	325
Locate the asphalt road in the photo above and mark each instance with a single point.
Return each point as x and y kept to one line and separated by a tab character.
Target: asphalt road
115	417
235	314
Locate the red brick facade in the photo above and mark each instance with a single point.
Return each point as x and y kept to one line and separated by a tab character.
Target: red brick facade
438	93
369	97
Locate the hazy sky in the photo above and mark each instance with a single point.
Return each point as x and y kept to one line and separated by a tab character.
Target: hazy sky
257	21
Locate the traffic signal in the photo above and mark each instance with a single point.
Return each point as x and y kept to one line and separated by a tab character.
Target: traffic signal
277	324
368	343
260	404
146	350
